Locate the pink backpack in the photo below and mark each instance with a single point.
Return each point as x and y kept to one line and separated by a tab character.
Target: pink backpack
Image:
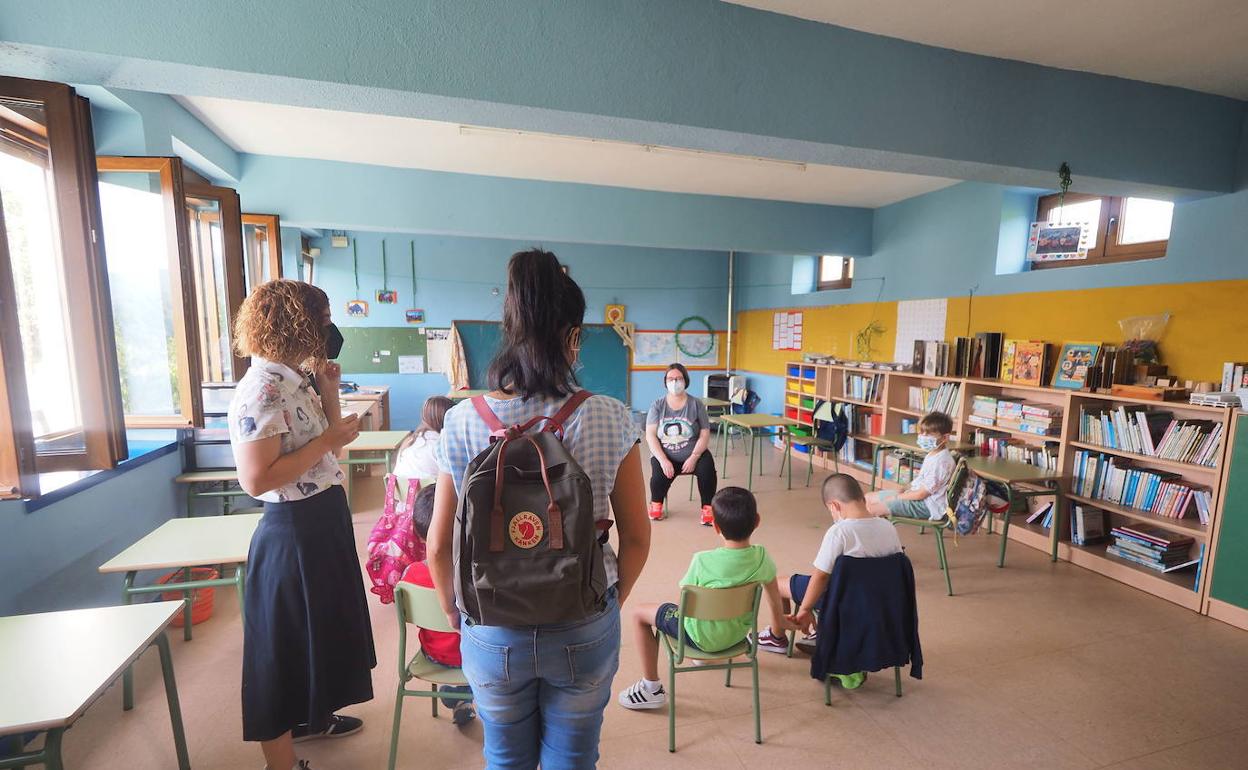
393	544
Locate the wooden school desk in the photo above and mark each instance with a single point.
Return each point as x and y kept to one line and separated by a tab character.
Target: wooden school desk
227	479
53	665
183	544
384	441
908	444
1009	474
753	424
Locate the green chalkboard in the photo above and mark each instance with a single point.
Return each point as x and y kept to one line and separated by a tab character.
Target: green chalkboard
1230	571
602	352
362	343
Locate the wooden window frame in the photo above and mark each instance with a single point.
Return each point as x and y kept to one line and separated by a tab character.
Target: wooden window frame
1107	250
272	224
307	262
847	273
18	473
232	259
71	150
181	288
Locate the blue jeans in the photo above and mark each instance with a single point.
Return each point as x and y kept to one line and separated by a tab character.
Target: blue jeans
540	691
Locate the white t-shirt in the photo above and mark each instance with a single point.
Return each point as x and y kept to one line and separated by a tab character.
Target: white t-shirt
418	460
864	538
934	476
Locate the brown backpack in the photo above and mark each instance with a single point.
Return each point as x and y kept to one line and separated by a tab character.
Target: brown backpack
528	550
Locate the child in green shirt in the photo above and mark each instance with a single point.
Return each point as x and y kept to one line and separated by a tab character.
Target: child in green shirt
735	563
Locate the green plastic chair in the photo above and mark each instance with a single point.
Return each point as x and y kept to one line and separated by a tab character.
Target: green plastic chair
824	414
940	526
419	605
701	603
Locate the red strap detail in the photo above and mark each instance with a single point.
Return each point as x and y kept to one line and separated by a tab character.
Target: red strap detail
560	417
487	415
496	513
554	522
603	525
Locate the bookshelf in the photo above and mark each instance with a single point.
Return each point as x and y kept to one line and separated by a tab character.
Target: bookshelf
1188	587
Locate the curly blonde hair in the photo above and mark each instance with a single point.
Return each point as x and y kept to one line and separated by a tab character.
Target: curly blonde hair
281	320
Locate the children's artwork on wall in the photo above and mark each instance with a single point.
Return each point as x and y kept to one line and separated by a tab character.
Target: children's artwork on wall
1052	243
357	308
415	316
1073	364
613	314
387	296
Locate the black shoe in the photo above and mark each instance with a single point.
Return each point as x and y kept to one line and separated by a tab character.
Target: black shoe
463	713
339	726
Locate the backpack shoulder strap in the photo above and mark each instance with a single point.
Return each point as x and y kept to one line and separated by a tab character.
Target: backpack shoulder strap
487	415
555	423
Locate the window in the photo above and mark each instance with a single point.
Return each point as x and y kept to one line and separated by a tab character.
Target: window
262	248
1122	229
60	392
835	272
149	278
216	241
307	262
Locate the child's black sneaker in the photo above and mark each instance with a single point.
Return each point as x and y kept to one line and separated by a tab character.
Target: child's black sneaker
339	727
463	713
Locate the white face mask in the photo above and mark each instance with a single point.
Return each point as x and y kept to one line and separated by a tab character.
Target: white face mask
927	443
675	387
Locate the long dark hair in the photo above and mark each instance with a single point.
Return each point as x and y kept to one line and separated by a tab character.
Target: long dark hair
542	307
432	418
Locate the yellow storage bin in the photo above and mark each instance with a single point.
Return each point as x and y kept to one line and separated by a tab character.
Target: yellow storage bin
794	385
808	387
792	400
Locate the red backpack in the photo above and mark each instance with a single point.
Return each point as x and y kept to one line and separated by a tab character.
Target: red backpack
528	550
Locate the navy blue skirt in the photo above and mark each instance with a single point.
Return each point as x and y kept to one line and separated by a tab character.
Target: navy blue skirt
307	643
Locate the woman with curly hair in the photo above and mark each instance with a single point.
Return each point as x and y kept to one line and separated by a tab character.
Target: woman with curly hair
307	642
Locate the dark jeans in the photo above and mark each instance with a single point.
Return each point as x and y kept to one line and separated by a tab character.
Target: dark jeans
704	471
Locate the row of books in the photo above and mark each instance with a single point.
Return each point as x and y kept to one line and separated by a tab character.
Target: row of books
1234	375
863	387
1153	548
939	399
1087	524
1159	492
992	445
867	423
1156	433
897	469
1014	414
855	451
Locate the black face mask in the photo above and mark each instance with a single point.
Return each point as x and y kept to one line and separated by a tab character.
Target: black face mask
333	341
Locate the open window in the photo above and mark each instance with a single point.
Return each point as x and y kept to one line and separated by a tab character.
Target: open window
835	272
1122	229
215	229
150	276
262	248
54	293
307	260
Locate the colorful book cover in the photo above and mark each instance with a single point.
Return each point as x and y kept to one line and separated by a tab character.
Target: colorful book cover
1073	363
1028	362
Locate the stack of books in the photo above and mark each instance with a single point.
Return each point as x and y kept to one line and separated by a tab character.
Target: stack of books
1159	492
1151	547
1009	411
996	445
983	411
1087	525
862	387
1040	419
1043	515
1152	432
909	425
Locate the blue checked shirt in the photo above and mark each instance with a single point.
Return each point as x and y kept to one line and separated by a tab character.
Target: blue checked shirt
599	434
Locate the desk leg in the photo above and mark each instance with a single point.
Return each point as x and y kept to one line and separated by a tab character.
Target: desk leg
788	454
1056	530
189	599
225	501
389	461
190	496
753	439
240	582
724	442
52	749
1005	524
175	710
127	677
875	464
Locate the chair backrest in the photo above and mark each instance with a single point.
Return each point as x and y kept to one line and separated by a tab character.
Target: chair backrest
702	603
419	605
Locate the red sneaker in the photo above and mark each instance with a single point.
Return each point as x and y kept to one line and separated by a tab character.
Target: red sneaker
708	518
656	512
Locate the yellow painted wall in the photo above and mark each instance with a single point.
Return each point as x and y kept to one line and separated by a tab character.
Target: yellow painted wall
1208	323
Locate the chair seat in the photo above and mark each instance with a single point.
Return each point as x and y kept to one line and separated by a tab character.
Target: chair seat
427	671
740	648
812	441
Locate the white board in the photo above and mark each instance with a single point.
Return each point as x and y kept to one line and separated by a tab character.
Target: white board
918	319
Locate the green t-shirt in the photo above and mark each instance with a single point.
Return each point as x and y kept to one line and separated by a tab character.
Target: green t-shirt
725	568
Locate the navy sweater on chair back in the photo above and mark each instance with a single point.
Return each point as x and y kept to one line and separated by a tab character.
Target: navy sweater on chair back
868	618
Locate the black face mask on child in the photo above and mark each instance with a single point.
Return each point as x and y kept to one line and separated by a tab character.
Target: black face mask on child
333	341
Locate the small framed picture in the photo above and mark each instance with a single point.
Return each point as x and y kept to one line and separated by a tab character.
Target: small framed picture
415	316
387	296
357	308
1052	243
613	314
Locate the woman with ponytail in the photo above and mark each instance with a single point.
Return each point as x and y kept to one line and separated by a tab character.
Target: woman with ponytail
540	690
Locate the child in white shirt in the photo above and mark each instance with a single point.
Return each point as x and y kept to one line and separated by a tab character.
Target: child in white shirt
415	459
925	499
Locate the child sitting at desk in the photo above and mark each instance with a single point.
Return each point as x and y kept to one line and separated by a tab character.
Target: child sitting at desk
415	458
925	499
735	563
855	532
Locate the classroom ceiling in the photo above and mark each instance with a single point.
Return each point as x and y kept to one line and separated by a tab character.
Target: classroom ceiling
303	132
1196	44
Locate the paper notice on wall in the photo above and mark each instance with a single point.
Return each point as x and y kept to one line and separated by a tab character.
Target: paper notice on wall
438	342
786	330
921	319
411	364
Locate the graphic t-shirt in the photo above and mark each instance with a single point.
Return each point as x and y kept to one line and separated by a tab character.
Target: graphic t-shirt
678	428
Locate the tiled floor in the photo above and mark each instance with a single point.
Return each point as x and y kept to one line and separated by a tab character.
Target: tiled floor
1035	665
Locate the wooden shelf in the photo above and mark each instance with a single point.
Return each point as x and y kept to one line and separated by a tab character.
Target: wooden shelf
1093	556
1150	459
1179	526
1013	432
855	402
908	412
982	383
1212	412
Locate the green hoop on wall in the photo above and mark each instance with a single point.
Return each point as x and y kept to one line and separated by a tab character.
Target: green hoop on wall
710	332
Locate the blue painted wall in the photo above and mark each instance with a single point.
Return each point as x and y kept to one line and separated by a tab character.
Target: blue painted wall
51	555
697	73
455	279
